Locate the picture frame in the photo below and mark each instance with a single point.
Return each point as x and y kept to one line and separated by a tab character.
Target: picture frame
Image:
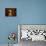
10	12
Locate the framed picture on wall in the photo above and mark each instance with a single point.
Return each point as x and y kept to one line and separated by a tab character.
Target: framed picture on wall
10	11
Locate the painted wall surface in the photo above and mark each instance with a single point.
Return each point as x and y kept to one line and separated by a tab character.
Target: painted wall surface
28	12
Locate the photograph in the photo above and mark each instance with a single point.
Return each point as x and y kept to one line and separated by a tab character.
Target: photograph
10	11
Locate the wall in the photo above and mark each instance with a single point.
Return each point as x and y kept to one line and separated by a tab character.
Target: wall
28	12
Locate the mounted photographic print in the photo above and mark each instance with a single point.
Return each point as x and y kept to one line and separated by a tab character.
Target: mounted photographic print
10	11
